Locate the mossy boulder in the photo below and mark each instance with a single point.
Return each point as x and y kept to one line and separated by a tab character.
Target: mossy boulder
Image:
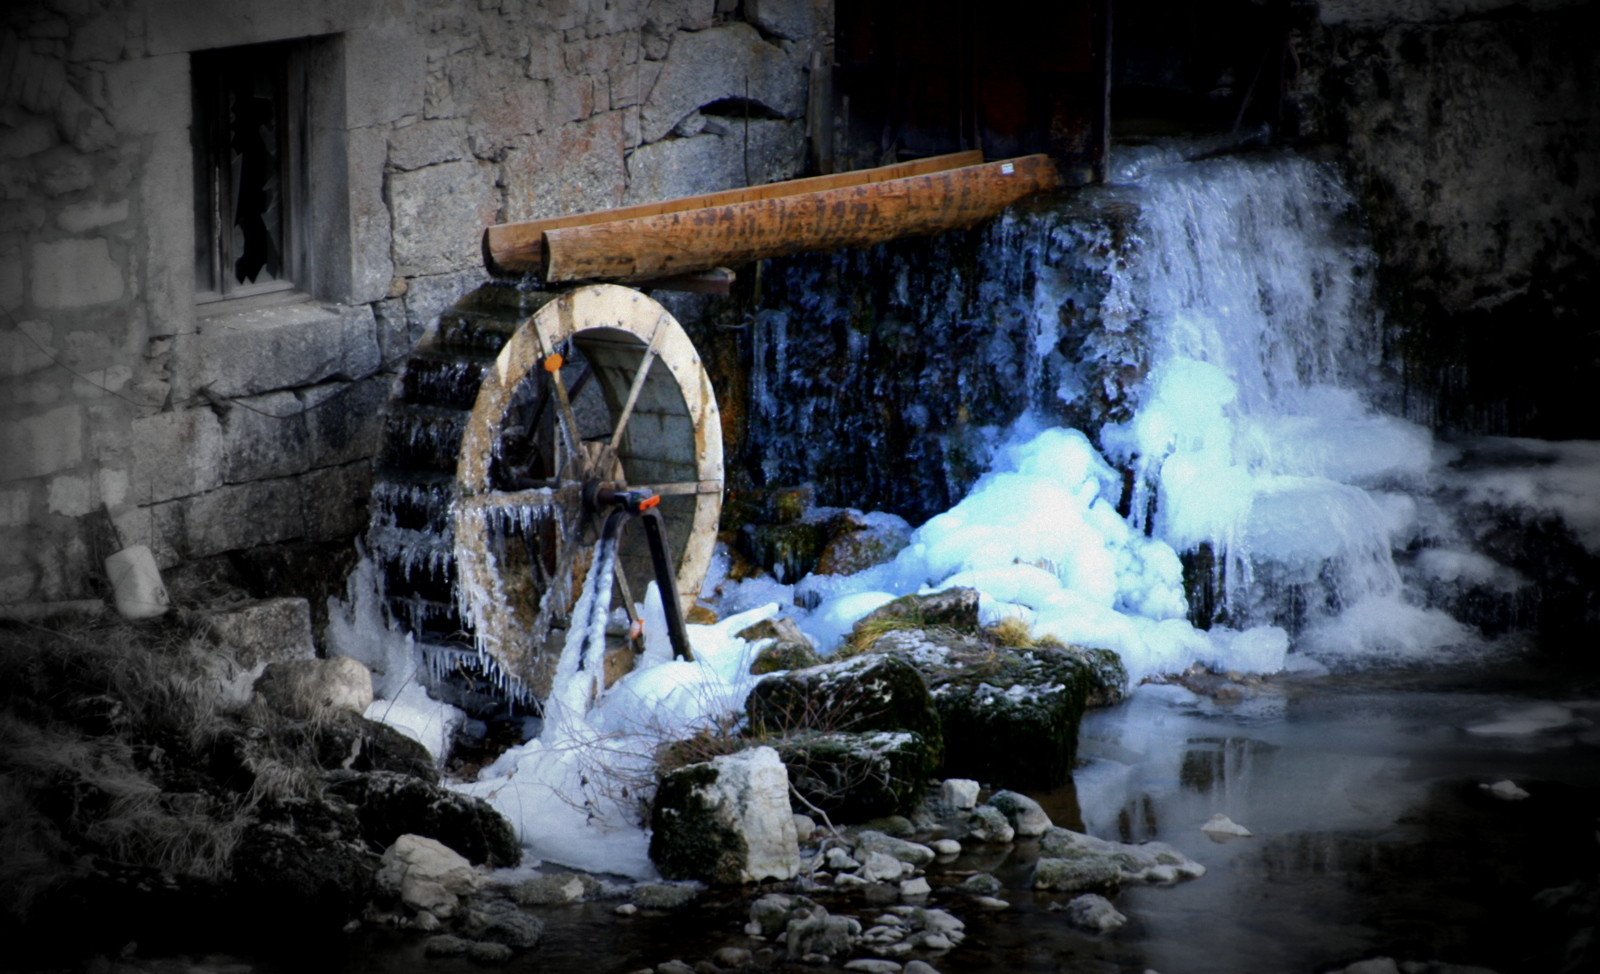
391	805
854	777
954	609
1010	715
787	647
725	821
868	693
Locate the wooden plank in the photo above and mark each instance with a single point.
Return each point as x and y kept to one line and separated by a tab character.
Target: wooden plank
518	248
854	216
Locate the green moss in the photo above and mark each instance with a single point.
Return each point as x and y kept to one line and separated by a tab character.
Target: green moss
854	777
688	838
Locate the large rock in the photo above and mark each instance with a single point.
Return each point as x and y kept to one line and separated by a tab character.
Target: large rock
1010	715
867	693
392	805
1026	816
854	777
726	821
426	875
953	608
309	688
1071	861
303	868
264	631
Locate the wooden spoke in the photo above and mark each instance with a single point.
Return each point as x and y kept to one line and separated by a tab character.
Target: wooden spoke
688	487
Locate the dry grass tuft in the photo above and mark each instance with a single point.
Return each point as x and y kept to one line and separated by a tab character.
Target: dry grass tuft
1015	633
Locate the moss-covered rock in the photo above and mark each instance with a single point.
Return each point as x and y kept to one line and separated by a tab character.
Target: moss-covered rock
391	805
788	648
854	777
954	608
868	693
725	821
1010	714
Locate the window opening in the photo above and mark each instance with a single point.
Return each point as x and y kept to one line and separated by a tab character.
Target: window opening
246	136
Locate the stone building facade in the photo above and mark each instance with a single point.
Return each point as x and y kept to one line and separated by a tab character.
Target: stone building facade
155	394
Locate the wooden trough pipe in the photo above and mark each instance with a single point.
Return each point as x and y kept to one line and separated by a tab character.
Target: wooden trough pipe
696	233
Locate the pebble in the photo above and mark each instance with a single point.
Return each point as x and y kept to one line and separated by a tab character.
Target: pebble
946	847
936	941
961	793
484	952
425	921
848	880
731	957
626	910
839	860
1094	913
674	967
919	967
804	827
990	903
915	887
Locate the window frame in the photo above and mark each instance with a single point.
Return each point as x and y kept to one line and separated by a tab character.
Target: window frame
217	289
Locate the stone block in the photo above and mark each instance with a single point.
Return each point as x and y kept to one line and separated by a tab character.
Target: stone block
793	20
36	446
396	334
166	203
173	26
707	163
370	246
438	214
149	95
28	135
26	348
385	68
362	355
264	436
242	516
71	496
247	352
334	502
176	454
266	631
91	215
427	143
723	62
427	297
14	507
344	419
572	168
503	116
74	274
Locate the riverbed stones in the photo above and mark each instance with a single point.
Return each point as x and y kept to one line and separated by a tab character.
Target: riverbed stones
912	853
1094	913
550	890
855	776
665	896
1072	861
867	693
816	933
1026	816
499	921
959	793
426	875
980	884
726	821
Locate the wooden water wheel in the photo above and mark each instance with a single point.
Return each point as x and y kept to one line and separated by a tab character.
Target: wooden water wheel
599	394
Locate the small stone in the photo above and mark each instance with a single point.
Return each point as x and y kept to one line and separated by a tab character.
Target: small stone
899	949
674	967
484	952
848	880
1094	913
936	941
1220	824
919	967
355	925
804	827
912	888
816	960
839	860
980	884
871	841
989	824
425	921
664	896
550	890
626	910
896	826
1505	790
990	903
731	957
880	866
706	967
872	966
946	847
444	945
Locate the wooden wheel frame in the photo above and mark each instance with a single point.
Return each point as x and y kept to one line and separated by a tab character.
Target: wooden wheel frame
523	532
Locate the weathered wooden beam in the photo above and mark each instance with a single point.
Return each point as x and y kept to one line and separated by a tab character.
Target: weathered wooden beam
717	280
519	248
852	216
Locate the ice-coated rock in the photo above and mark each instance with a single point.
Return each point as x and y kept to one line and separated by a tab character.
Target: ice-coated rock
989	824
873	841
1024	814
1505	790
1220	824
1072	861
1094	913
726	821
959	793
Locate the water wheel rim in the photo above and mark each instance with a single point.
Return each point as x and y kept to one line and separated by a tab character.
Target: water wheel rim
676	416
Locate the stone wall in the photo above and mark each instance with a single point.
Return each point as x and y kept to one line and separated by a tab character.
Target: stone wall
209	430
1473	130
